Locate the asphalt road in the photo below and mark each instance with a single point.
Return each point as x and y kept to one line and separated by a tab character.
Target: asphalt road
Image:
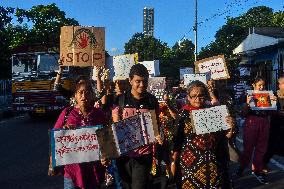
24	158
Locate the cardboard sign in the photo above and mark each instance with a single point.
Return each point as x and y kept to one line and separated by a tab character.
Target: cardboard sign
133	132
74	146
183	71
153	67
203	77
261	100
210	120
216	65
82	46
157	87
122	65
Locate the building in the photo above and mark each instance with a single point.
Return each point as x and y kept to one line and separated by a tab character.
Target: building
262	52
148	21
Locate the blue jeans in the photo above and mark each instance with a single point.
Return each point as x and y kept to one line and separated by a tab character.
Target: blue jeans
68	184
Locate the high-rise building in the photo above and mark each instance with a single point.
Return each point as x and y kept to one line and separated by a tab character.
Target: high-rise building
148	21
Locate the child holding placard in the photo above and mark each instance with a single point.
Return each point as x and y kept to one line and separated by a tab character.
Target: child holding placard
194	155
255	135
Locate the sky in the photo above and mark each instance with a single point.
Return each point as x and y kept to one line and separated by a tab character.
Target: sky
174	19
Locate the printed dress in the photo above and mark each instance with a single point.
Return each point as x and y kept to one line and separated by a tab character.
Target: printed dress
197	156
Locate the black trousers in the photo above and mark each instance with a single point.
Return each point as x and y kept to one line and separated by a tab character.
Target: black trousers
135	172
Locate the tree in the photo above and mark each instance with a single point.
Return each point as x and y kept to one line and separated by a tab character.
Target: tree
230	35
46	21
148	47
5	20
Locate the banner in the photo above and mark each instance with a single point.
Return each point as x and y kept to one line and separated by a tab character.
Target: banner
122	65
210	120
203	77
183	71
261	100
216	65
153	67
157	87
74	146
128	134
82	46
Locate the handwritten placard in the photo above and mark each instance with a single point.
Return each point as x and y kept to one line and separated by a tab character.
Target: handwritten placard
210	120
133	132
261	100
82	46
203	77
122	65
74	146
157	87
183	71
216	65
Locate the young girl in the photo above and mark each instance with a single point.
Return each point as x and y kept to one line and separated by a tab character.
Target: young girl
198	164
255	136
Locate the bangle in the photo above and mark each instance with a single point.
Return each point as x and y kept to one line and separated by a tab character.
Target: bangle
59	73
173	163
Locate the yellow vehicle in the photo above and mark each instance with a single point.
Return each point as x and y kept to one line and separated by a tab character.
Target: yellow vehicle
33	76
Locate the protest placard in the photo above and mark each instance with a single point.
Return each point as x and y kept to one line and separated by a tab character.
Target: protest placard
74	146
82	46
203	77
210	120
261	100
122	65
183	71
157	87
153	67
216	65
133	132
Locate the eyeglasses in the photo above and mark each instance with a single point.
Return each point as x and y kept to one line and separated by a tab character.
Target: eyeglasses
200	96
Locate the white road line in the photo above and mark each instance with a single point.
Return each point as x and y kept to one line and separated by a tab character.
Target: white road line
273	161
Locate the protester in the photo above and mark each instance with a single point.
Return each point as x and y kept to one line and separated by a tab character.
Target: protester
195	155
82	175
255	136
135	166
276	135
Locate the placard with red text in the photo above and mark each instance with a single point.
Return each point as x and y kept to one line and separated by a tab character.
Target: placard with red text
74	146
82	46
216	65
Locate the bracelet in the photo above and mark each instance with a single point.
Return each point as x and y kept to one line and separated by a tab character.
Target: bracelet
59	73
173	163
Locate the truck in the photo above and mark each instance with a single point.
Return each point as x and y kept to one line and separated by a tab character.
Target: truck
33	76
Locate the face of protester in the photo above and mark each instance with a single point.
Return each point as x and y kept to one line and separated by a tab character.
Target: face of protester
83	96
259	85
196	97
281	84
139	84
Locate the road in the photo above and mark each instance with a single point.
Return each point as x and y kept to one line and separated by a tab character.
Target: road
24	158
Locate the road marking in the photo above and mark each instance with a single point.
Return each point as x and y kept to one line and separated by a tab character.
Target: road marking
273	161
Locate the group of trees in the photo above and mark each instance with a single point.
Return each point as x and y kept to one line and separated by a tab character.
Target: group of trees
227	38
40	26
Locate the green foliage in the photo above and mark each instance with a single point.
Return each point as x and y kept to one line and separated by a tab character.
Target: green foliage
171	59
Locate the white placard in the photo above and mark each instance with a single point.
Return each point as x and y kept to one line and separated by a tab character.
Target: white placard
203	77
210	120
215	65
264	97
122	65
133	132
74	146
153	67
183	71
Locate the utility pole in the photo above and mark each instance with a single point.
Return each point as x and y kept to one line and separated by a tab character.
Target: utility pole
195	31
